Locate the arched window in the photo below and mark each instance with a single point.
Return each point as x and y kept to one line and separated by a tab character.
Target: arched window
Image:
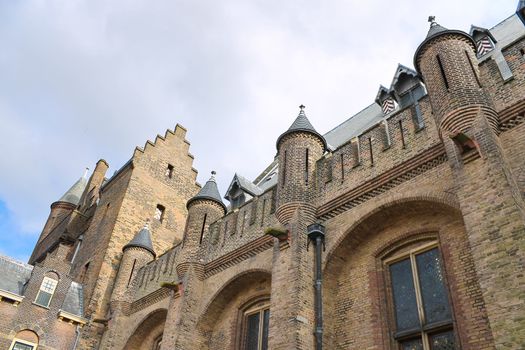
421	310
46	291
256	319
24	340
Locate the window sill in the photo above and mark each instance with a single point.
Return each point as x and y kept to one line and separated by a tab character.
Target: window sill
42	306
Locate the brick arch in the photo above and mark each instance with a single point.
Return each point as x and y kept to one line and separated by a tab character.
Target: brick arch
35	328
147	331
443	201
232	297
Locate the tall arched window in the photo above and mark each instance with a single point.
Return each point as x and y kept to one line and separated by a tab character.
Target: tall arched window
421	309
255	323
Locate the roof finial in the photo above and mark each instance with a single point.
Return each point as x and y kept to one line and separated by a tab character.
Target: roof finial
85	173
301	107
212	178
432	20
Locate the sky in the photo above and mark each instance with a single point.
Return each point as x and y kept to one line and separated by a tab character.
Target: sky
82	80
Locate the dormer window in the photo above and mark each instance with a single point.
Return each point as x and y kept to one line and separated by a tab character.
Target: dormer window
159	212
484	45
47	289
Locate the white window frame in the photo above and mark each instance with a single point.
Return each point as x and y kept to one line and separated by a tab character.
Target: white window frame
23	342
54	283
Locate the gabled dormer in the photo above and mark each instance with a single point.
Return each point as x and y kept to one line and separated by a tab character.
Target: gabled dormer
240	191
485	41
406	86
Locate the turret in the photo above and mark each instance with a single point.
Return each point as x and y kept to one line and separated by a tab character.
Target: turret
203	209
91	193
137	253
447	61
298	150
64	206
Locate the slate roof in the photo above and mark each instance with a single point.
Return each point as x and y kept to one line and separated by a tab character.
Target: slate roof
209	191
14	275
301	123
142	240
245	184
75	192
74	300
354	126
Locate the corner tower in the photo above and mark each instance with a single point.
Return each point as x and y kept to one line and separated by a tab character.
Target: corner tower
298	150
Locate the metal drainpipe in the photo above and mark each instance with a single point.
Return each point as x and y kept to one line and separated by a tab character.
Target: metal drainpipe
316	234
77	331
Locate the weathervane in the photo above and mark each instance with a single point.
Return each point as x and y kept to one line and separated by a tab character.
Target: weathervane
432	20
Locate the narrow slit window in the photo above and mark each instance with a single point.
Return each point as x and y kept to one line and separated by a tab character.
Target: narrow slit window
342	167
306	170
473	69
132	270
202	228
402	133
442	70
243	221
159	212
371	151
169	171
263	209
284	169
47	289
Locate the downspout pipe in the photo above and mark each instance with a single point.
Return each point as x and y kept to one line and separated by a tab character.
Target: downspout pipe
316	235
77	336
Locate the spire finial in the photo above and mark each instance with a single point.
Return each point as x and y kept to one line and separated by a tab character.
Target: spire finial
432	20
212	178
85	173
301	109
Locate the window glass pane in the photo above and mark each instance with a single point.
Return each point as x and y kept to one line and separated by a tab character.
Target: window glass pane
404	295
266	321
442	341
43	298
435	300
252	332
413	344
20	346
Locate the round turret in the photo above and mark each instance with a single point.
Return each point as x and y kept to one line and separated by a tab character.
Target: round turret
204	208
447	61
298	150
137	253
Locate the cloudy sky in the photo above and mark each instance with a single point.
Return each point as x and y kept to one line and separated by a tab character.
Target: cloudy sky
83	80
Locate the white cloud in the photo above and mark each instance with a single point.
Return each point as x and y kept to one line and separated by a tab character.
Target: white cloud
83	80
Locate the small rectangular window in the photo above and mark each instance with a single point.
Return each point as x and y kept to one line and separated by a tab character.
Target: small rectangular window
159	212
256	326
47	289
22	346
169	171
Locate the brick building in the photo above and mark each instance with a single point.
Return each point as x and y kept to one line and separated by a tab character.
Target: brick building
412	210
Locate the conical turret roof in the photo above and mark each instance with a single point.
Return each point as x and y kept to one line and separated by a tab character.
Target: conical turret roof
301	124
142	240
209	191
434	31
75	192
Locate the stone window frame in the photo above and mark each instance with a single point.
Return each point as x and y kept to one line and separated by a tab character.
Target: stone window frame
15	341
47	286
256	305
401	252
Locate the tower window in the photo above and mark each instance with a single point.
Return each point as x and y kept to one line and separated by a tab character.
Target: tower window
159	212
306	169
255	327
47	289
423	317
169	171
